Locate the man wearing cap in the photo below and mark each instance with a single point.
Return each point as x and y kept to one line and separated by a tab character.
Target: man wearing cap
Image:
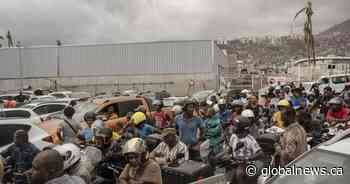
171	150
298	101
20	155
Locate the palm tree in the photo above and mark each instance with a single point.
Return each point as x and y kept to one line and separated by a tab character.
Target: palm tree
308	36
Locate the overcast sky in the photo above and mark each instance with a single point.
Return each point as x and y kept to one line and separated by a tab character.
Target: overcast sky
37	22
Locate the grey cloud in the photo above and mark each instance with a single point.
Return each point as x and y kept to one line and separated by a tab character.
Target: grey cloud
96	21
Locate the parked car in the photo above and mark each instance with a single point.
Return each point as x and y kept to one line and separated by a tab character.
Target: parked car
37	136
43	98
61	94
46	109
122	106
20	113
334	153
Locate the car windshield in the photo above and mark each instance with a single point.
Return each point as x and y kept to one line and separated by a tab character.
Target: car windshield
319	158
84	108
28	106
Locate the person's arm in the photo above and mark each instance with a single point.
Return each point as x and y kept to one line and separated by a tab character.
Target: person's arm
201	127
59	131
153	174
124	177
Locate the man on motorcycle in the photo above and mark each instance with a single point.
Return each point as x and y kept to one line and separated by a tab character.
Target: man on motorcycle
48	168
140	169
73	163
68	128
188	126
213	133
20	155
327	96
161	119
337	113
111	149
244	148
277	119
255	107
168	151
139	127
223	113
293	140
254	127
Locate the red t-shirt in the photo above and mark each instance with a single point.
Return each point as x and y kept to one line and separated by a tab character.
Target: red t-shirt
342	114
161	119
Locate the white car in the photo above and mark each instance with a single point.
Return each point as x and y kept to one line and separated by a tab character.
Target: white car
61	94
37	136
43	98
46	110
334	155
20	113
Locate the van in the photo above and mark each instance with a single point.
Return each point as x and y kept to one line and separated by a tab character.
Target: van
336	82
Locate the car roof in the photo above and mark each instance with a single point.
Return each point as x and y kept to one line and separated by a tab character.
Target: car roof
12	109
339	144
99	102
47	103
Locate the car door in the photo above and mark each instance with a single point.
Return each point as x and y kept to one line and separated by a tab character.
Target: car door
17	114
128	106
55	109
41	110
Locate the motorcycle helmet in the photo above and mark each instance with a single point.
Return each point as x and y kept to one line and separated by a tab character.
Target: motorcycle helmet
216	108
236	103
90	116
222	102
177	109
70	153
283	103
243	124
157	102
248	113
138	118
135	145
335	101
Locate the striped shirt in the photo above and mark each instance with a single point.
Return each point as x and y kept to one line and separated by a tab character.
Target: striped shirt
293	143
170	154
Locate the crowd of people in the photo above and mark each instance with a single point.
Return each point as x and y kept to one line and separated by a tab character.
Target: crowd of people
193	131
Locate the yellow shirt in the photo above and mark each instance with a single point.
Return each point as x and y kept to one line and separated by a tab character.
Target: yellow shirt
277	119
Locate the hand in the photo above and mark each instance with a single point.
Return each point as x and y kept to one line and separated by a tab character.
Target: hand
278	149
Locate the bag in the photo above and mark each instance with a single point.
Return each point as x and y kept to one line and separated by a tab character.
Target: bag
71	126
188	171
152	141
267	142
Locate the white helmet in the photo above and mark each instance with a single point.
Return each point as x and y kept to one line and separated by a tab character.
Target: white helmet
209	102
134	145
248	113
177	109
70	153
221	102
245	91
216	108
